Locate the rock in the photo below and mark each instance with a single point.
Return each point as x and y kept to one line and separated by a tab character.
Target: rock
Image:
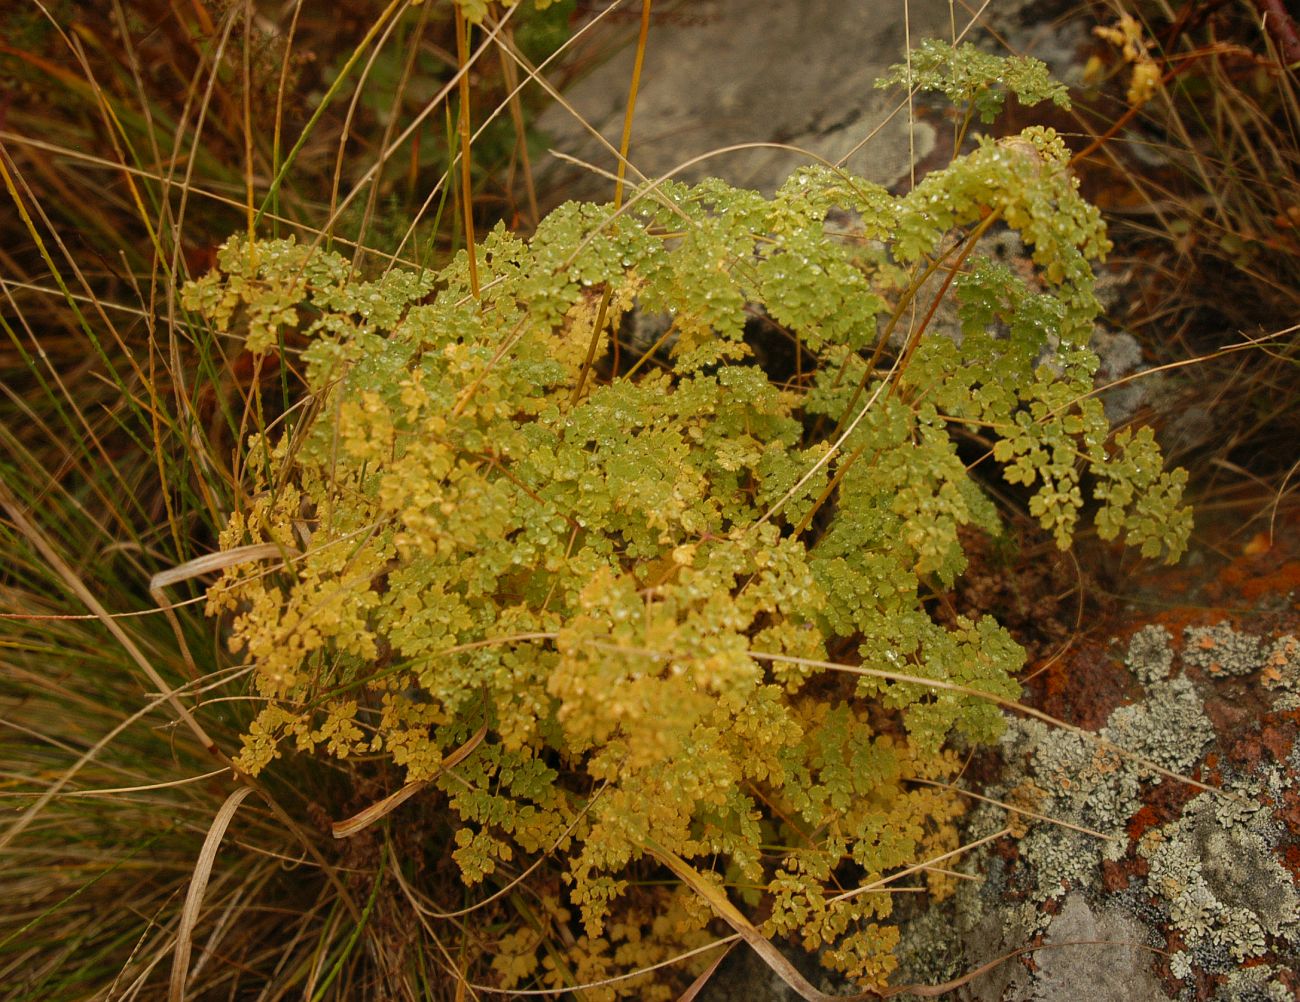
801	74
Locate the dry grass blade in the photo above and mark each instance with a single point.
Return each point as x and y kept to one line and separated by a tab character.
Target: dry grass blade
364	819
705	976
716	899
1006	704
629	113
68	774
199	885
1013	809
206	564
78	587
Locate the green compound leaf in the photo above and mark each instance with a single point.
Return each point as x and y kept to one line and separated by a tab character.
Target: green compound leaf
976	80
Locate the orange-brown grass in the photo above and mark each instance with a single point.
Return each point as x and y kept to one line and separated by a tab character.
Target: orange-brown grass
1195	113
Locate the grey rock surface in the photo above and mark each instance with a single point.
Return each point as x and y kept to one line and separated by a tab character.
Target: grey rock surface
1199	905
798	72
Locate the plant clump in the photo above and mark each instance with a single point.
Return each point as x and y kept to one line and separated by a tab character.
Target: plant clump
674	611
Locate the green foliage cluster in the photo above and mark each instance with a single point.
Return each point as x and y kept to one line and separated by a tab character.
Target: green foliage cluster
476	10
974	80
637	581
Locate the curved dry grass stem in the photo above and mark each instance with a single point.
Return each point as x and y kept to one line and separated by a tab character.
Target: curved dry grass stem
717	899
389	12
193	568
516	881
510	74
280	90
1002	701
377	50
198	885
728	941
369	175
500	32
928	864
363	819
168	696
158	177
945	686
833	451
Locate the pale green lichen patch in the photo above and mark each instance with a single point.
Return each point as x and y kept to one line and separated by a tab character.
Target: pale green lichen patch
1081	783
1090	783
1205	885
1282	672
1215	868
1220	650
1098	949
1254	984
1150	654
1169	727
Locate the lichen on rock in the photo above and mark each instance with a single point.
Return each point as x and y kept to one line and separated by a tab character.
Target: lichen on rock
1220	650
1282	672
1150	654
1205	881
1169	727
1217	871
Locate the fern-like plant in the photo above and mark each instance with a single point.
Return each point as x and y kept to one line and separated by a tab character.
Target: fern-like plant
674	611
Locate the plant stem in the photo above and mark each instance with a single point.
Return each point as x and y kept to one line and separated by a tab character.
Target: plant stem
466	193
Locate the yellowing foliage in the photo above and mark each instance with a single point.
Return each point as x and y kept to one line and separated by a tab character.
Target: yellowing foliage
596	573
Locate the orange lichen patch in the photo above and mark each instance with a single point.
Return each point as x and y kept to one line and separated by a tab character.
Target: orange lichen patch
1162	805
1254	584
1083	689
1029	796
1265	569
1105	761
1178	619
1259	543
1269	564
1143	821
1282	669
1118	875
1207	642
